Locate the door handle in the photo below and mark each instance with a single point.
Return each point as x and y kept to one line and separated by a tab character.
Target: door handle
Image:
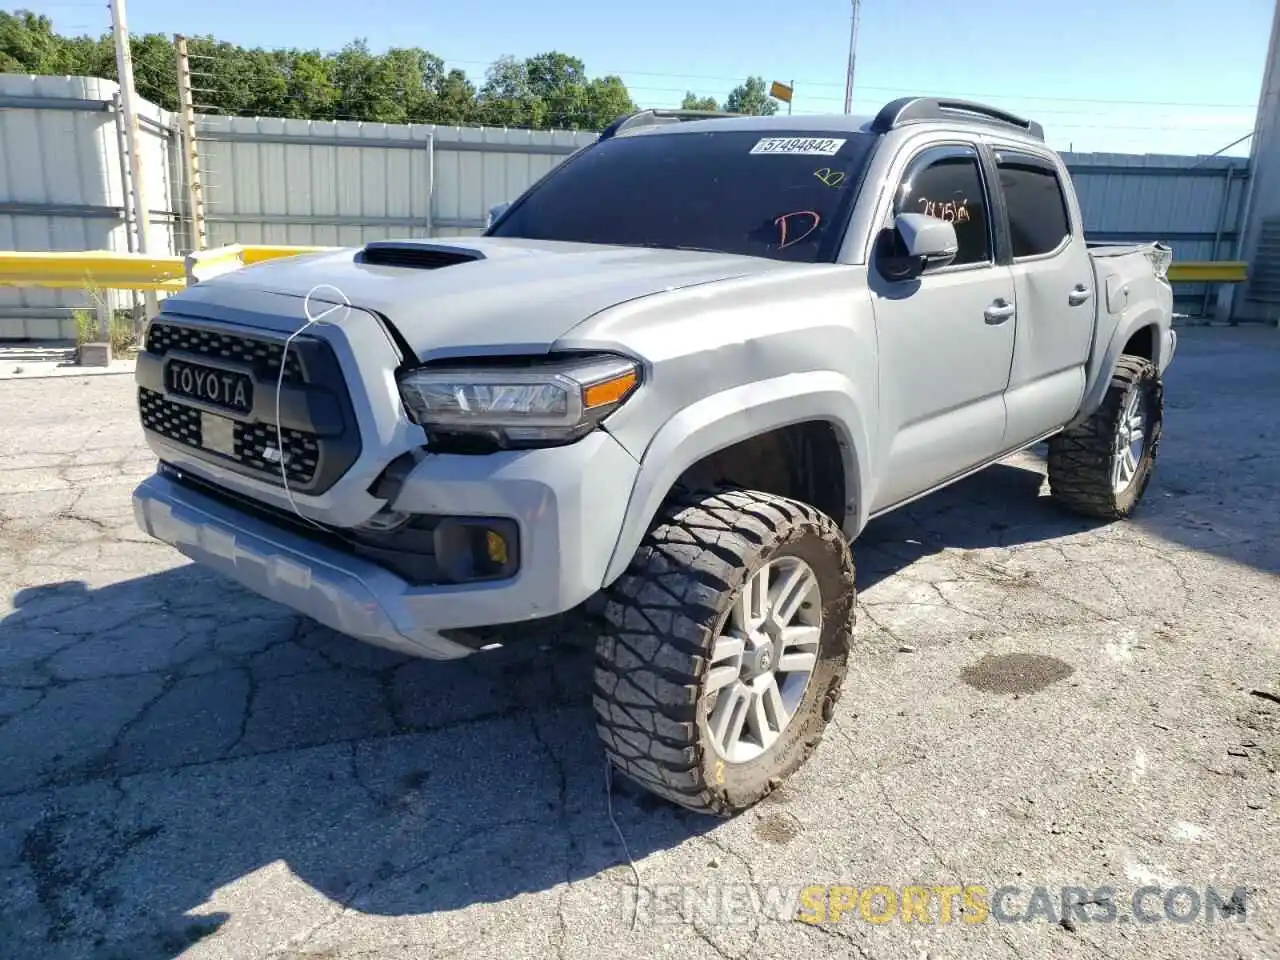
999	312
1079	295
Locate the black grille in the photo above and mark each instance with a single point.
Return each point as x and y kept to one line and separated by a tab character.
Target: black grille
263	355
178	423
301	450
318	425
251	441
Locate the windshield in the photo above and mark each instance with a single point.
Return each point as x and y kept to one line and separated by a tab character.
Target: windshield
785	196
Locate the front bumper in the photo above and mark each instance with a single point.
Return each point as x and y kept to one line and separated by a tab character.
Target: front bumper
568	502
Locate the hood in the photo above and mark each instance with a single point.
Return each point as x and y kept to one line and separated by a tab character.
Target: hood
488	292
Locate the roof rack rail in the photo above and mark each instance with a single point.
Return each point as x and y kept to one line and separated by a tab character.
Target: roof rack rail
915	109
649	118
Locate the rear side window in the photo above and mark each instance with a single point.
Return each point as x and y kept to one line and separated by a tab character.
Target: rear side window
1038	220
949	187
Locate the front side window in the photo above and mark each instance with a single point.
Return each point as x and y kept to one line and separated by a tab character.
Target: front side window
949	187
1038	221
783	194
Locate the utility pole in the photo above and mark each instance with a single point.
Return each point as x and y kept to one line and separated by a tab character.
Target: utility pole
191	156
853	54
129	102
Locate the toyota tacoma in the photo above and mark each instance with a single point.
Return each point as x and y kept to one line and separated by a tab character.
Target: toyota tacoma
670	383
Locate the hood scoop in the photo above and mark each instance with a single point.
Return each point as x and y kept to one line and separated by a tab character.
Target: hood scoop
417	256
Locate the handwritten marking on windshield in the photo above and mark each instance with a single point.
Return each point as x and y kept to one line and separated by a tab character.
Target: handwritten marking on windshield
832	178
949	210
782	224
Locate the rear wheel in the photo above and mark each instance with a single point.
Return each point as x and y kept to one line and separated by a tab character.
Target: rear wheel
1100	468
724	648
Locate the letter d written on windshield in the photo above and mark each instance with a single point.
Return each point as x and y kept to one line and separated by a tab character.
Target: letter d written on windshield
795	227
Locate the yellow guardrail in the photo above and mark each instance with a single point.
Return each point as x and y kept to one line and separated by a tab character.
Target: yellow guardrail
1209	271
129	271
83	269
257	252
107	270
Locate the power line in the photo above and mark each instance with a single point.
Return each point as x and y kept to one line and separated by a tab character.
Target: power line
805	84
872	106
897	89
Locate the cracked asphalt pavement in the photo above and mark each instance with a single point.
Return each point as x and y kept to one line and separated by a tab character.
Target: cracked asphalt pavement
1035	700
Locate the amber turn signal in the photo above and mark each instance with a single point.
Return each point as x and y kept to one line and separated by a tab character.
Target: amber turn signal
609	391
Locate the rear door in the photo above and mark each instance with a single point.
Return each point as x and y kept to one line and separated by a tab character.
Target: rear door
945	339
1053	284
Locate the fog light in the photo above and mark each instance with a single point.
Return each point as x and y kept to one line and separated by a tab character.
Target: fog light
477	548
497	548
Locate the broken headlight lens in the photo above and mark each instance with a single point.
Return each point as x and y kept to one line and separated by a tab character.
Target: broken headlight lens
512	406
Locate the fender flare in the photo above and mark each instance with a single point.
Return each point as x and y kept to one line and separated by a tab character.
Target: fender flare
737	414
1100	375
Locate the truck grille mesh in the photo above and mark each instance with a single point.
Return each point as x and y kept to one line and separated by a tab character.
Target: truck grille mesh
251	441
301	451
263	355
178	423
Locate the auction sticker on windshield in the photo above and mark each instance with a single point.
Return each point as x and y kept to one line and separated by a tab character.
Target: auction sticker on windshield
812	146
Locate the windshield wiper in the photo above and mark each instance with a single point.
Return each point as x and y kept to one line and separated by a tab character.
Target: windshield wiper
673	246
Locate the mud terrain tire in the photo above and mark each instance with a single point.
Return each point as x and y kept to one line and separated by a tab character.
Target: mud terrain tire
663	616
1083	458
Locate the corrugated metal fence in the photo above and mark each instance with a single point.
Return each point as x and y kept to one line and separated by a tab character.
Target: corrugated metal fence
312	182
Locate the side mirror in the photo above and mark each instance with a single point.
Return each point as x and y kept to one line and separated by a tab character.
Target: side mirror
495	212
920	243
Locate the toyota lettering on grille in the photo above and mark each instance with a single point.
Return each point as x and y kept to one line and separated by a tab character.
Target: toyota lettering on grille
225	389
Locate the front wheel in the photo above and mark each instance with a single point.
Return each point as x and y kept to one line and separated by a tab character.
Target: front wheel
725	648
1101	467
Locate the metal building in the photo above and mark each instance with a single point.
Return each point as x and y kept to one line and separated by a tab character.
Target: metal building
1260	236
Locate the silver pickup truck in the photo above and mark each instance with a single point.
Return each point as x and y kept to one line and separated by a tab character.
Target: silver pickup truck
675	378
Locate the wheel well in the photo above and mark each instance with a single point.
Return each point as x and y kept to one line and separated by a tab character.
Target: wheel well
1142	343
802	461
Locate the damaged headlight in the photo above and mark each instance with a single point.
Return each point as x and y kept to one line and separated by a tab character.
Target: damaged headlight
519	406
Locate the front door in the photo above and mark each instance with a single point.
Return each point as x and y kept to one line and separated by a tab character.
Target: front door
946	339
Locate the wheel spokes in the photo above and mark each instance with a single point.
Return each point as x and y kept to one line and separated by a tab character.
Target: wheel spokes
729	716
1129	442
726	662
760	664
768	715
792	590
752	606
799	649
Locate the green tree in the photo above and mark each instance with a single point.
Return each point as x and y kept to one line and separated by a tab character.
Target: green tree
507	98
607	100
560	82
381	89
309	86
454	99
29	45
155	73
400	85
694	102
751	97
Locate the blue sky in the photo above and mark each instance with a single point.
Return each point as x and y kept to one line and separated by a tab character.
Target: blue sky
1132	76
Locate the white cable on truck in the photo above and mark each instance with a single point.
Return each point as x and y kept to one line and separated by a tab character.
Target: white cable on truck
345	306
